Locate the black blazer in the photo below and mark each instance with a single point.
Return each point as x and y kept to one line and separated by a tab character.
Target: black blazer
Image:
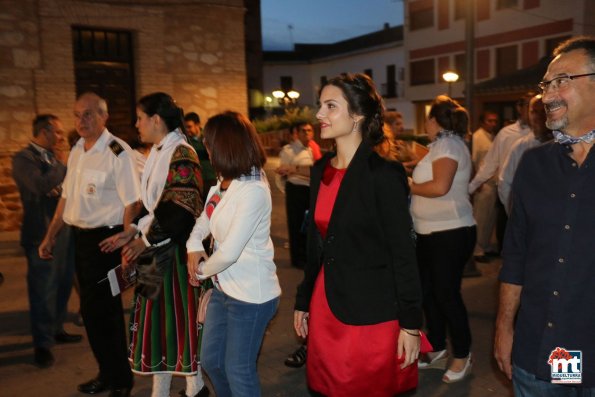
371	273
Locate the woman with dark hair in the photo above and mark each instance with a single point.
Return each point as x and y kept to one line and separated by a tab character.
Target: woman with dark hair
246	293
446	233
360	301
164	337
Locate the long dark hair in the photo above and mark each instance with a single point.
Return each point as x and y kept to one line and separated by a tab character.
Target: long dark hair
450	115
363	99
163	105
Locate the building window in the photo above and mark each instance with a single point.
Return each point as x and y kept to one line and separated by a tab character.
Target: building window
500	4
461	65
460	9
323	81
506	60
551	44
104	64
286	83
389	89
423	72
421	15
368	72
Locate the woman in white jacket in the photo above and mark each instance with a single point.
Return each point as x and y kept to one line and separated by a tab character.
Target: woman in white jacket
246	293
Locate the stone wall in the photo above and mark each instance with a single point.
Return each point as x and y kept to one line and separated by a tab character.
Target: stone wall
193	50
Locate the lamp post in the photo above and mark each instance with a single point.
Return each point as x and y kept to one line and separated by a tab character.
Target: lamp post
450	77
286	98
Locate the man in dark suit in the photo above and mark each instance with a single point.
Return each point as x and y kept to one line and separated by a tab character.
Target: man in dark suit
38	175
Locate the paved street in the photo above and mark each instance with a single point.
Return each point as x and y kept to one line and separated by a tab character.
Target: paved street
74	363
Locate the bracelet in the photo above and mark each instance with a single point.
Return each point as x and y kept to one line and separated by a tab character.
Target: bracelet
410	333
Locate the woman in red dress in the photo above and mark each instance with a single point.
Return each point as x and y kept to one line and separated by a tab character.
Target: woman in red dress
360	301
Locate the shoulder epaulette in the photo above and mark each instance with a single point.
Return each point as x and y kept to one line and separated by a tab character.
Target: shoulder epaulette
116	147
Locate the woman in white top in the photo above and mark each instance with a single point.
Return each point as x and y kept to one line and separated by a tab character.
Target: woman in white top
446	233
246	293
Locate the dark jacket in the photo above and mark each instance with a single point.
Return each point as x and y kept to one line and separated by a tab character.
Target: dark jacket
371	273
39	185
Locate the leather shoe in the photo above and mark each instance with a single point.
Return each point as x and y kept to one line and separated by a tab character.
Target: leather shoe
43	357
122	392
64	337
93	386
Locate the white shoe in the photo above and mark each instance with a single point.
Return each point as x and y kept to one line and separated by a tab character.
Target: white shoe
452	376
433	360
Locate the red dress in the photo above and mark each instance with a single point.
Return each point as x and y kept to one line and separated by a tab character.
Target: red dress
348	360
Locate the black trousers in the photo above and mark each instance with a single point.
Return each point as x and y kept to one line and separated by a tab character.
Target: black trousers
102	313
297	202
441	258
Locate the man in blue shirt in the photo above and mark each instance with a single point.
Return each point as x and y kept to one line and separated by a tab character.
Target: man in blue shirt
548	273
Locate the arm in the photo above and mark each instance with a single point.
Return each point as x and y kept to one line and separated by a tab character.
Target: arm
47	245
443	171
488	168
510	297
26	171
505	177
252	207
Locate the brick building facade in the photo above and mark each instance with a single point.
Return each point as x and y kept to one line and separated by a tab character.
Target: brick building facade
192	49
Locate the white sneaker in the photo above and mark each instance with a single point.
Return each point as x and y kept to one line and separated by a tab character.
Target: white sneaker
433	360
452	376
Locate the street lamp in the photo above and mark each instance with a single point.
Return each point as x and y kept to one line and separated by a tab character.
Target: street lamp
450	77
286	98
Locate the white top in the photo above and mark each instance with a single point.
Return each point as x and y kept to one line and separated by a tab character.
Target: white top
241	227
506	175
453	210
295	153
99	184
155	175
482	142
494	160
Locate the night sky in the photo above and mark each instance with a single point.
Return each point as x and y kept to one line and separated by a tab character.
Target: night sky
324	21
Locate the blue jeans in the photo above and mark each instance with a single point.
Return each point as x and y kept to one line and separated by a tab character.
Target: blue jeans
526	384
231	339
49	283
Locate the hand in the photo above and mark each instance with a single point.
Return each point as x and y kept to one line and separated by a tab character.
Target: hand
285	170
194	260
46	247
132	250
116	241
503	350
300	323
408	344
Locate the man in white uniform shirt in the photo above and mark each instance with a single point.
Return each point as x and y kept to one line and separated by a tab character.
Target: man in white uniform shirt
296	159
541	134
496	156
484	200
100	198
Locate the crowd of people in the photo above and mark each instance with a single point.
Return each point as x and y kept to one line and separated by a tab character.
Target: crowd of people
382	232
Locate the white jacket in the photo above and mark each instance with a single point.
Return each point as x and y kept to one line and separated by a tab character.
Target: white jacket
243	257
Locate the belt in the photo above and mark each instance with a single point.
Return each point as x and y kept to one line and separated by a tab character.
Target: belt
82	230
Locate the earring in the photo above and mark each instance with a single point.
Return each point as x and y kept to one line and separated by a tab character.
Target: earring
354	129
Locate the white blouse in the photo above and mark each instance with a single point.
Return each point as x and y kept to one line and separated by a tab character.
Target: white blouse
453	210
241	227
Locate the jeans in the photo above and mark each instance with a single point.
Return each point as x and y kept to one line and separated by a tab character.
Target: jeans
526	384
231	339
441	257
49	283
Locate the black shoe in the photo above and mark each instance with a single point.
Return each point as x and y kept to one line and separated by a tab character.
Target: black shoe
43	357
64	337
204	392
298	358
93	386
122	392
481	258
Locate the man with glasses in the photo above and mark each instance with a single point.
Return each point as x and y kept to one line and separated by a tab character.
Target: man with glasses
548	273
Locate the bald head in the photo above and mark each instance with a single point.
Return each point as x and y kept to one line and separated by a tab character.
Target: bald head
90	113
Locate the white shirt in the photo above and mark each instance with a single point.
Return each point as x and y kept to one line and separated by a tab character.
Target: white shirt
494	160
99	184
482	142
295	153
241	227
453	210
506	175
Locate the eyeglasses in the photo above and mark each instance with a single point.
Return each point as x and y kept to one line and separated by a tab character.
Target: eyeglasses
560	82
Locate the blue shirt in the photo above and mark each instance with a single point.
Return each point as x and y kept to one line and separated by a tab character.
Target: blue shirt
549	249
